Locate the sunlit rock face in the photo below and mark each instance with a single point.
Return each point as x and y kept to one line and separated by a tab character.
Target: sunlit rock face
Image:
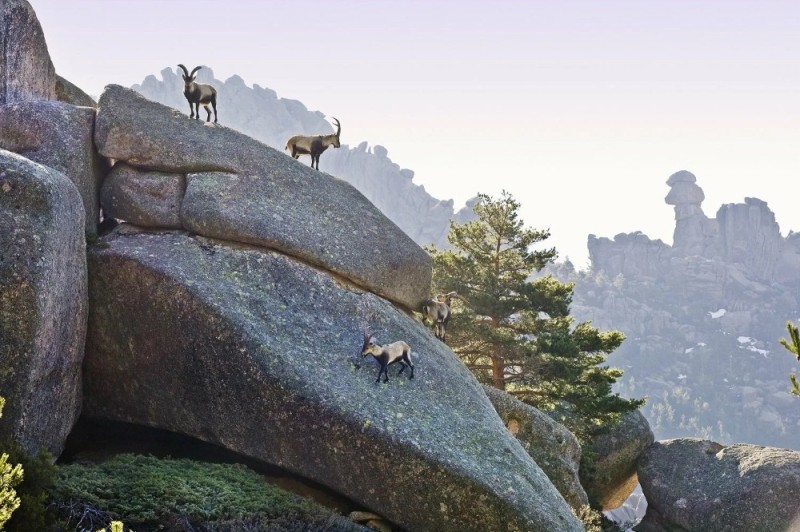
259	353
256	305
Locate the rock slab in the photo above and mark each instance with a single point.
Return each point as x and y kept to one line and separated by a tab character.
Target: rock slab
241	190
263	359
43	303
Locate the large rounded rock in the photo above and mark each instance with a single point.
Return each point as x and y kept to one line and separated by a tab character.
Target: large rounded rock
615	455
43	304
241	190
554	448
26	71
61	136
693	484
259	353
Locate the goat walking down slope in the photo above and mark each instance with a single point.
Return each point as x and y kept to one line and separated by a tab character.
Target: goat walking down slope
313	146
387	355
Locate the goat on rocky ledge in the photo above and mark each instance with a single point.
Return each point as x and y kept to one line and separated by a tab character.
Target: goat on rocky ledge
438	310
313	146
197	93
387	355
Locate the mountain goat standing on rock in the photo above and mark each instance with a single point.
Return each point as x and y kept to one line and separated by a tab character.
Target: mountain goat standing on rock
438	311
198	93
313	146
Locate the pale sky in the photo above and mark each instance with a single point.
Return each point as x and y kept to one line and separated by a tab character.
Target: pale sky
581	109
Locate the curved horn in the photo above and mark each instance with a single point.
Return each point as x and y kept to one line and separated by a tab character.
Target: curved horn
338	126
367	337
185	71
195	69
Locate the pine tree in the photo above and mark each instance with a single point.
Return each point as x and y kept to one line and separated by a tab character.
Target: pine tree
793	345
515	332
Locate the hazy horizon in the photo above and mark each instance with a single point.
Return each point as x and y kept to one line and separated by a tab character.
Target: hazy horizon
580	109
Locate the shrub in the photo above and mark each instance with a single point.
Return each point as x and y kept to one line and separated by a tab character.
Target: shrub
10	477
40	473
178	494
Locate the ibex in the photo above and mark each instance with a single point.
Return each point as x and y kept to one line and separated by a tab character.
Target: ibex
438	310
198	93
387	355
313	146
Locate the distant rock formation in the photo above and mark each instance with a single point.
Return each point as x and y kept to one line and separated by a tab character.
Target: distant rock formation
745	235
259	113
702	317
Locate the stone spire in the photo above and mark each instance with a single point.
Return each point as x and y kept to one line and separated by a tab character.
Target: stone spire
691	224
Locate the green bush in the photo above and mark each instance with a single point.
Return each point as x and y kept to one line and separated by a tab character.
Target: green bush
178	494
40	473
10	477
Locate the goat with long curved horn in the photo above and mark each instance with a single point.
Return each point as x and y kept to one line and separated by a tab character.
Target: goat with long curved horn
313	146
198	93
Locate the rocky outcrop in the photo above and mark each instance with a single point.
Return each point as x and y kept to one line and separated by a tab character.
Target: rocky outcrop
61	136
703	311
615	456
692	227
26	71
749	235
263	358
43	303
240	190
554	448
259	113
632	254
745	234
693	484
